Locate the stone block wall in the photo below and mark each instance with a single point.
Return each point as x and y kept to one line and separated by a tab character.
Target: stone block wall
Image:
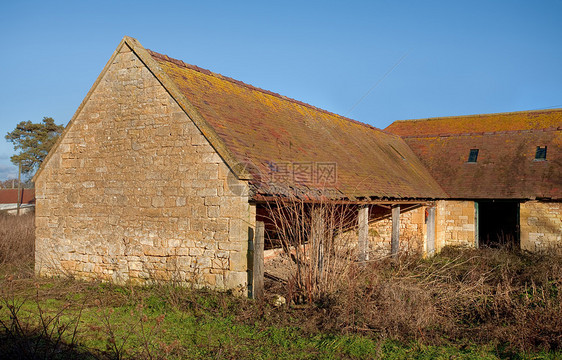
540	225
455	224
136	193
412	233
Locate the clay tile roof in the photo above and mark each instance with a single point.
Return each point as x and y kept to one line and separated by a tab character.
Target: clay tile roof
506	167
481	123
287	144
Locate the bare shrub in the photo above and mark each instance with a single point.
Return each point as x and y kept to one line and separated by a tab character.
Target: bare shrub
316	236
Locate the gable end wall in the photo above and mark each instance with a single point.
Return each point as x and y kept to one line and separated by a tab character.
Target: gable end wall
136	193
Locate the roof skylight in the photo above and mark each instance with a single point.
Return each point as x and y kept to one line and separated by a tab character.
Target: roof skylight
473	156
540	154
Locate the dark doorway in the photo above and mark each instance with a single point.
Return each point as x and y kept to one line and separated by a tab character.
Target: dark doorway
498	224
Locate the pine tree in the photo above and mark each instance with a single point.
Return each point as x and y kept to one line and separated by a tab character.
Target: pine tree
34	141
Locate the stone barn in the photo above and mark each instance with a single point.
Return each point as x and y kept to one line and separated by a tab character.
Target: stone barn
164	167
501	172
166	172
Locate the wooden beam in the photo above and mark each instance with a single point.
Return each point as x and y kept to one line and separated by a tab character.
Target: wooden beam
258	270
260	199
430	223
395	238
363	233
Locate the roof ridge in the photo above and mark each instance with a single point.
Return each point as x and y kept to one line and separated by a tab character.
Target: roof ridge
255	88
482	115
450	134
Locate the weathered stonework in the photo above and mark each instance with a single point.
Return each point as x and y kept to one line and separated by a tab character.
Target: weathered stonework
540	225
455	224
412	233
135	192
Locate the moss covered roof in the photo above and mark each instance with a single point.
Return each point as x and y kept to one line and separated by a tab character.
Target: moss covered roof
479	124
290	145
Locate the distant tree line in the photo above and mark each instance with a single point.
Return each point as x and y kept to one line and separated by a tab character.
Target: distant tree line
13	184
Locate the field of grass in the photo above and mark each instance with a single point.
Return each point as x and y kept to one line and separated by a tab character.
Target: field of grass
461	304
63	318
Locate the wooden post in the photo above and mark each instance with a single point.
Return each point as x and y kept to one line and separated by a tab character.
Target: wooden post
19	188
395	239
430	230
258	269
476	226
363	233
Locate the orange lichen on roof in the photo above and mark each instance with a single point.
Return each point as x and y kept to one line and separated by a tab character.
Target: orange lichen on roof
274	134
471	124
506	167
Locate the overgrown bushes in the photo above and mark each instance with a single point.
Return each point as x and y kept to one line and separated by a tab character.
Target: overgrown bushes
501	296
493	298
461	295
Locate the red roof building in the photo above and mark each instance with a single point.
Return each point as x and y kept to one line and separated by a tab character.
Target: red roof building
10	196
509	164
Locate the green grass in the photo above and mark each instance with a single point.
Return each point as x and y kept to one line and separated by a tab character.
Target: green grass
175	323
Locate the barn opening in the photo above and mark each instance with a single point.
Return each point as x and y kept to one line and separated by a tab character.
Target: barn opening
498	224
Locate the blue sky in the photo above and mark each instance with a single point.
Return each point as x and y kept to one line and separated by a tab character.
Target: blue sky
462	57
